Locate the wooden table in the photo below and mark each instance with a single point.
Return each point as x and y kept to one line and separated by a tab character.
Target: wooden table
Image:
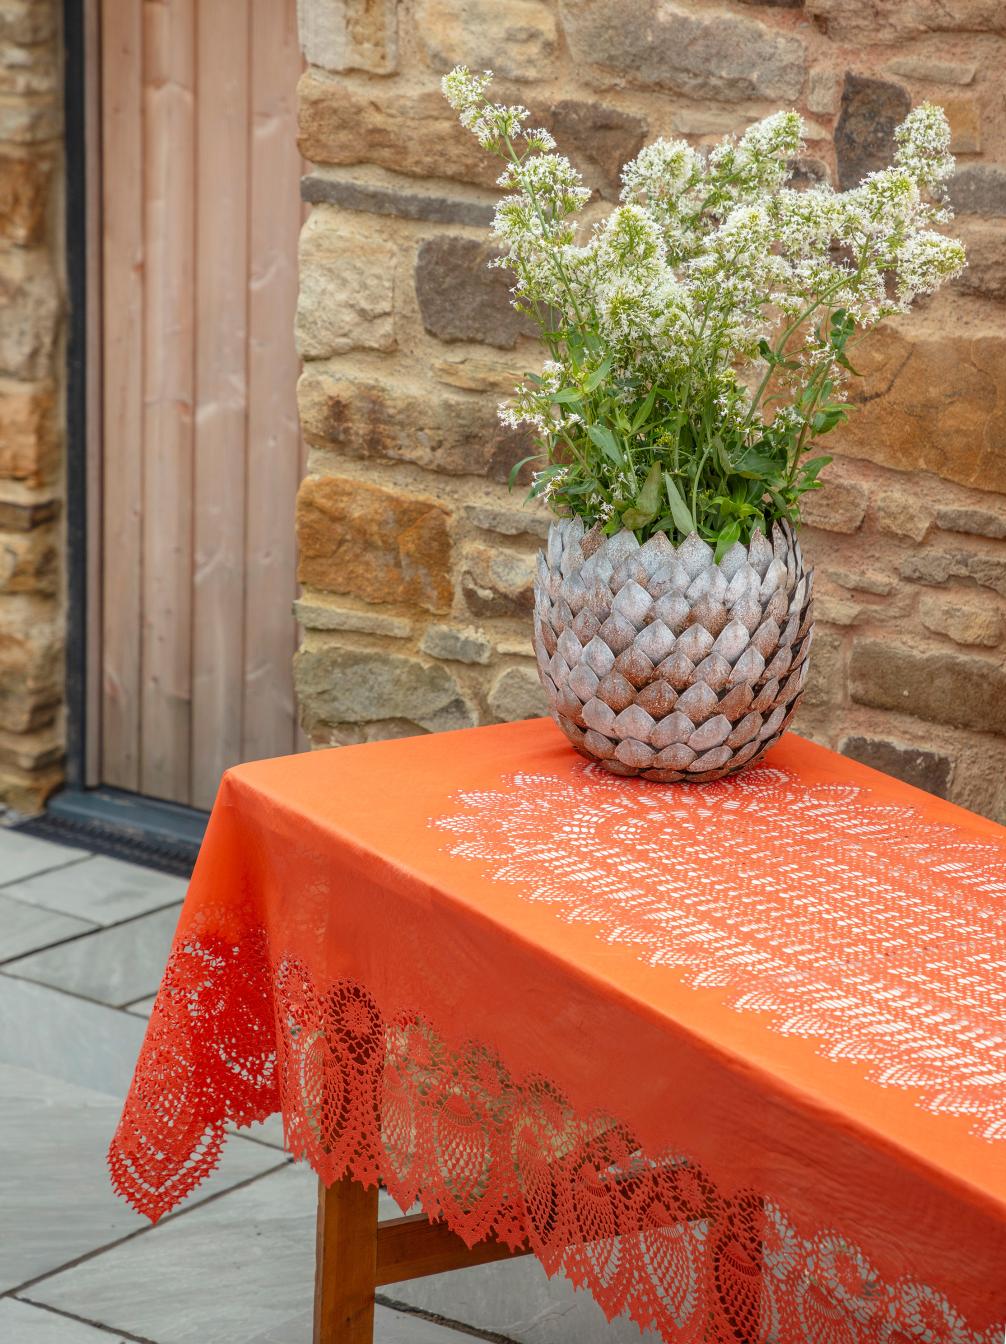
729	1055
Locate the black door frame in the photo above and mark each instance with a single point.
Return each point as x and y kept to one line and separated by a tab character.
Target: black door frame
91	814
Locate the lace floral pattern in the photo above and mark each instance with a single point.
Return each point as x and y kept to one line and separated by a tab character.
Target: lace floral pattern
238	1033
798	901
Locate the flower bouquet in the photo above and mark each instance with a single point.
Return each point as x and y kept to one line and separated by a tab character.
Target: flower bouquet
699	337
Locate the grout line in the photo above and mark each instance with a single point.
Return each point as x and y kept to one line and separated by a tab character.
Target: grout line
6	963
144	1231
447	1322
84	1320
45	947
42	872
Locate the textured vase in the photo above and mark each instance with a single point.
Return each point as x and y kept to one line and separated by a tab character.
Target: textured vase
660	662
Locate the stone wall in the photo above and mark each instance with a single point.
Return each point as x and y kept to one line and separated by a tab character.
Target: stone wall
416	561
31	413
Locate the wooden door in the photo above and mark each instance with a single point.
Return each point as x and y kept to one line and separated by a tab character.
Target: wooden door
200	448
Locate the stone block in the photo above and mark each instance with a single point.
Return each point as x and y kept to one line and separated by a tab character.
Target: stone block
315	614
25	180
347	287
497	582
598	139
517	694
366	419
936	402
30	69
863	581
473	372
864	135
19	516
963	690
929	770
374	544
711	54
29	119
933	70
871	22
29	298
823	88
518	39
964	619
964	116
826	675
338	685
26	791
27	431
367	197
839	506
936	567
531	519
899	512
985	273
28	20
412	133
462	298
29	561
349	34
978	189
978	522
460	645
31	663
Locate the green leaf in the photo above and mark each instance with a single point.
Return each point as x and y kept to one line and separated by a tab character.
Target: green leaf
643	414
602	436
843	359
599	375
727	537
810	471
648	499
635	518
511	480
568	396
680	512
754	465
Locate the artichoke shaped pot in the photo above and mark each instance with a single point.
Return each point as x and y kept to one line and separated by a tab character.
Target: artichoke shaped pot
662	662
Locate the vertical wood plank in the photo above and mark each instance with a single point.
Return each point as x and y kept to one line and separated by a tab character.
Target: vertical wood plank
345	1263
222	224
122	347
274	450
169	37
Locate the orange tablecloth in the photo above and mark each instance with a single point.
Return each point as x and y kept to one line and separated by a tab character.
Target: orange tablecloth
733	1055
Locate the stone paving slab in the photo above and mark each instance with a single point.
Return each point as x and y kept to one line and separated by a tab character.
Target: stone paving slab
23	856
390	1327
69	1038
228	1270
114	965
244	1263
100	889
22	1323
56	1200
517	1300
23	928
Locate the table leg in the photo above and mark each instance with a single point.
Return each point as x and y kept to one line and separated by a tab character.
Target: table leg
346	1263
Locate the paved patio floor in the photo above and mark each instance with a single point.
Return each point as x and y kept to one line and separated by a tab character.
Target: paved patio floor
83	941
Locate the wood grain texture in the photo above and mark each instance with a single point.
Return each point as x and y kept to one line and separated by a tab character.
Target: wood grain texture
221	333
122	389
200	446
345	1263
413	1247
169	159
274	446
